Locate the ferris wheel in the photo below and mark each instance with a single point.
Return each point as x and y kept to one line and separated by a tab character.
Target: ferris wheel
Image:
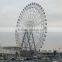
31	27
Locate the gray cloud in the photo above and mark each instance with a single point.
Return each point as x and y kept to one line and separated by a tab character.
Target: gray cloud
9	13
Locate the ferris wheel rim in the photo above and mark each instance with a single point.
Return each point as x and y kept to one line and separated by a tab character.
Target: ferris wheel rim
35	4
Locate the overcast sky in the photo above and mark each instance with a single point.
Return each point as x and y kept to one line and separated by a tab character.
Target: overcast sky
9	13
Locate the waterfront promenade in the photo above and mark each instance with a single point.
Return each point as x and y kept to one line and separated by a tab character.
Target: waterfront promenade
25	61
